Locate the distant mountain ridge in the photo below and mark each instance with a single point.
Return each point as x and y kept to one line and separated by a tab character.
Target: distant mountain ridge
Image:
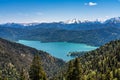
73	24
70	21
92	33
114	20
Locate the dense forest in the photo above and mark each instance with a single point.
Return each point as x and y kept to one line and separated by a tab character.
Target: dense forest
16	58
100	64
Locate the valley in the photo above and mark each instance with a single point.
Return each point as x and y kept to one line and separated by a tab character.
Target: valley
59	39
53	43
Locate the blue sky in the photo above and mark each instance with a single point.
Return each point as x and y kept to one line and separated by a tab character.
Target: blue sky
27	11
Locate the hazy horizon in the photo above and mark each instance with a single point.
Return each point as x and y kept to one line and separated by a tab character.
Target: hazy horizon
57	21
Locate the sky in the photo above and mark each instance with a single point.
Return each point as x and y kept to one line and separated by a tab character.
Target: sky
28	11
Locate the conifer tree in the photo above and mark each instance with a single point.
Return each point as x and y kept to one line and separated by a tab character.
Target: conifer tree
0	75
23	75
75	72
70	70
36	71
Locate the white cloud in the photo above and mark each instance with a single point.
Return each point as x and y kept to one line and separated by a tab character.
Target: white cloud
91	4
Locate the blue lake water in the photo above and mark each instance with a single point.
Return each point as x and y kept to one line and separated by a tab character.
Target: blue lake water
58	49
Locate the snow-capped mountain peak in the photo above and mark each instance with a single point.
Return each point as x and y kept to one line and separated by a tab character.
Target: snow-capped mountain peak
72	21
113	20
29	24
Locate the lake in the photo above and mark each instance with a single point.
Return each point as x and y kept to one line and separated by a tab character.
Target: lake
58	49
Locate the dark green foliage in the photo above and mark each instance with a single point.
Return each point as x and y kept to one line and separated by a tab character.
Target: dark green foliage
36	71
21	56
76	54
74	70
69	71
100	64
0	75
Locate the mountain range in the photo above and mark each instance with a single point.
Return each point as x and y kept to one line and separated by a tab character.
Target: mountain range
89	32
73	24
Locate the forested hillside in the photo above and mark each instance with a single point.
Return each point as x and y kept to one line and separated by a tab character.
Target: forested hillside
14	57
100	64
